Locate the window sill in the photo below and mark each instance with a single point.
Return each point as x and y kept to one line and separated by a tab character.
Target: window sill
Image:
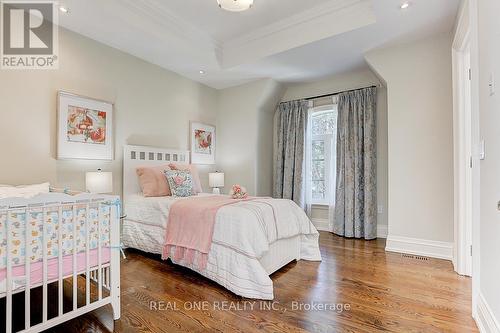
323	206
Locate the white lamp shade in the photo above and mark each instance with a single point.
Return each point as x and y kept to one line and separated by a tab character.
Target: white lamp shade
216	179
235	5
99	182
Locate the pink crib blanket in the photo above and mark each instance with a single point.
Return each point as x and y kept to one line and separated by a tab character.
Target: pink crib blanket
36	277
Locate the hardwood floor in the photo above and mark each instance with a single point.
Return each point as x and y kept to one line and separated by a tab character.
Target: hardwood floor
379	291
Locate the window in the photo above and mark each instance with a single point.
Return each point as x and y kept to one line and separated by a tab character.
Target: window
322	146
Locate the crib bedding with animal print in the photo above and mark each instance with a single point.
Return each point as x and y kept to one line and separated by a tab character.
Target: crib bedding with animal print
39	221
40	217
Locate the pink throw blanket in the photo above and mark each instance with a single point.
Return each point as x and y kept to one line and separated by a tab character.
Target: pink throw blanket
190	227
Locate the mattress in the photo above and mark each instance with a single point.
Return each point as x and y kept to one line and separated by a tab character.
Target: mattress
36	277
41	215
250	241
152	211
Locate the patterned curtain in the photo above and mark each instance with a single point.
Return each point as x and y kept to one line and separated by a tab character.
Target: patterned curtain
356	189
291	120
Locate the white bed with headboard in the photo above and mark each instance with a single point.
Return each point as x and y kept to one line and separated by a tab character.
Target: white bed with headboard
240	265
139	156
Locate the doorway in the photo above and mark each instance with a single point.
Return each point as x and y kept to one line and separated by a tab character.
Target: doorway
468	150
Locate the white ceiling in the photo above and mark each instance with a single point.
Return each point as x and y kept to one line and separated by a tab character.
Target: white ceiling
223	26
287	40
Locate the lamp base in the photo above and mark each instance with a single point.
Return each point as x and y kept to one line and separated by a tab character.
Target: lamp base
216	190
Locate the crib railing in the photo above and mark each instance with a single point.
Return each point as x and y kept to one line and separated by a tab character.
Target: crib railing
98	273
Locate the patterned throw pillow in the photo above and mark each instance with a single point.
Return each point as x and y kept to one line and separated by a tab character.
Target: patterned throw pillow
180	182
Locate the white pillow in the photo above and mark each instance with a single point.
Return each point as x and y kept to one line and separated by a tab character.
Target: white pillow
23	191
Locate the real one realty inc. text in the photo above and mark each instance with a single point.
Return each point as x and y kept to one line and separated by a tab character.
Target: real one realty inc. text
247	306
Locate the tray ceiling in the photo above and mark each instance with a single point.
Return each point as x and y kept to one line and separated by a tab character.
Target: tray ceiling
288	40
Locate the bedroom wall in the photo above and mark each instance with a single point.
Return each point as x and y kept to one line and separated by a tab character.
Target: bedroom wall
245	135
420	141
153	106
341	82
489	106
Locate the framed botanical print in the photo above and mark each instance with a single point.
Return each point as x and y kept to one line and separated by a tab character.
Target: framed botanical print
84	128
202	143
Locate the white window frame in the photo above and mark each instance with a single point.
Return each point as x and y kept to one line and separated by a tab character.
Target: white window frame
328	139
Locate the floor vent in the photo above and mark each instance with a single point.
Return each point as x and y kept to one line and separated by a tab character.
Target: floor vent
410	256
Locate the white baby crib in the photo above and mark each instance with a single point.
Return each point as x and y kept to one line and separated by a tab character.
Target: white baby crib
58	240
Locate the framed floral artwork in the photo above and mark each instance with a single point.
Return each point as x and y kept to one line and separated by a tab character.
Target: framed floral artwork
85	128
202	143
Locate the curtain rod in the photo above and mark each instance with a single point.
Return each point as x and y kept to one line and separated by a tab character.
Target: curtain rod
339	92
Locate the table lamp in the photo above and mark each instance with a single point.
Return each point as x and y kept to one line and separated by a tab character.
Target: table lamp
99	182
216	181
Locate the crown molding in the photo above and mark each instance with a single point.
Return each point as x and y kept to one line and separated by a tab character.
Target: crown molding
172	24
320	22
297	19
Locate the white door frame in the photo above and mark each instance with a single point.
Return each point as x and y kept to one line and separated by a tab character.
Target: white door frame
463	163
466	144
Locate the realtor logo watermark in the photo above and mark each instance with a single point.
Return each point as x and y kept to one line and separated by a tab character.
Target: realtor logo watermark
29	35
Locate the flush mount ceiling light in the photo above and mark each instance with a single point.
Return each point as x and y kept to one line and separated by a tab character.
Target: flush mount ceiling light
235	5
405	5
64	9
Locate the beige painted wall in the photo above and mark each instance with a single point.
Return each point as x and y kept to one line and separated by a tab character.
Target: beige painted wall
489	63
153	106
245	135
342	82
420	138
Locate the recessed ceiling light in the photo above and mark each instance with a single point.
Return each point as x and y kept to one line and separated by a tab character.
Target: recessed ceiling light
405	5
202	72
235	5
64	9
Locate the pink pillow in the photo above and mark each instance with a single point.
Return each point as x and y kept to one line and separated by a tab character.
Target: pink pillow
194	173
153	182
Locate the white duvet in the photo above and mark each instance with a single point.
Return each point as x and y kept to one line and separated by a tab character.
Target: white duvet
243	234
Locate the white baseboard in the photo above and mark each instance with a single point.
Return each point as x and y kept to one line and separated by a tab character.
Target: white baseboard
485	319
420	247
323	225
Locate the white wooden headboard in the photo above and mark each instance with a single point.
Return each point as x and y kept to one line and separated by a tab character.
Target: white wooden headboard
137	156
